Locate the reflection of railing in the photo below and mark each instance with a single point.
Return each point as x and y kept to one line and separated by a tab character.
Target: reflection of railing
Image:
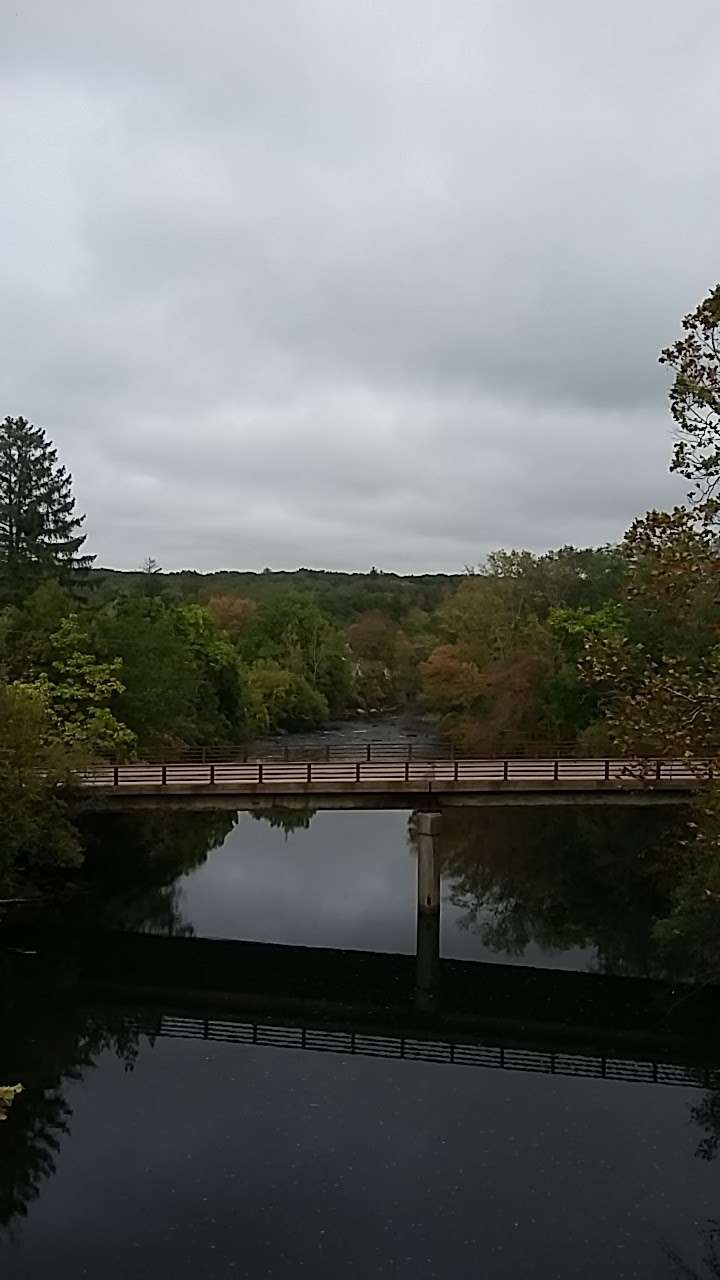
424	775
409	1049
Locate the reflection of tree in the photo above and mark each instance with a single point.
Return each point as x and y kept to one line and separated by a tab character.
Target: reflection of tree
134	859
711	1258
48	1044
288	820
706	1114
561	878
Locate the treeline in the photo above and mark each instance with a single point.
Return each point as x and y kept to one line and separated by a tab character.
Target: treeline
342	596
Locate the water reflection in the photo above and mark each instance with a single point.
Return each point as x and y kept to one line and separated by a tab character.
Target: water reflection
338	1086
569	888
554	888
347	880
212	1155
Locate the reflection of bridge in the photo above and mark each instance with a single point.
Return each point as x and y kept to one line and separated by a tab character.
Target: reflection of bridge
418	1007
419	1048
411	1007
367	1004
388	782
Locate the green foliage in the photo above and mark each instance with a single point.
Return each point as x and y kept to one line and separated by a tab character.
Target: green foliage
283	699
507	675
657	676
77	690
36	833
183	681
39	531
341	596
695	401
293	633
28	628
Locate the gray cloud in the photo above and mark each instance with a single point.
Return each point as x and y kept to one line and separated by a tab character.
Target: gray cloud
342	284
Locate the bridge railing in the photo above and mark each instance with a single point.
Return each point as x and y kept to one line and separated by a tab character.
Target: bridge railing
407	773
369	752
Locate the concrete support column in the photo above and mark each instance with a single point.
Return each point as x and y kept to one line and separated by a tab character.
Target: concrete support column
427	971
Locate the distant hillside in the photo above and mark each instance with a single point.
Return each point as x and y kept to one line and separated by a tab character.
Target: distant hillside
342	595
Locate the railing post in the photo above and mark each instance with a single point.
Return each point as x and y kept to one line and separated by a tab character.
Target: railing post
357	771
260	777
164	776
607	770
212	775
658	770
556	770
506	770
407	770
456	770
368	752
116	777
309	772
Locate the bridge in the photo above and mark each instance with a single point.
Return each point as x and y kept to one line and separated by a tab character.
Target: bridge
387	780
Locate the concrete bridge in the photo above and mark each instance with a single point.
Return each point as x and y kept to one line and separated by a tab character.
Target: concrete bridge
392	783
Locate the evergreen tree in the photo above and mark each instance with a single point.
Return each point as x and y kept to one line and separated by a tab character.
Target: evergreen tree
39	530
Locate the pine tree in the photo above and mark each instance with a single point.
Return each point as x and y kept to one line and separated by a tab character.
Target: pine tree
39	530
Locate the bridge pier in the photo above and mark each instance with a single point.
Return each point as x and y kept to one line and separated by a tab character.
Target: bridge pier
427	827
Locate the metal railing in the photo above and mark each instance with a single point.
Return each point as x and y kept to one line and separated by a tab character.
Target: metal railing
408	773
343	752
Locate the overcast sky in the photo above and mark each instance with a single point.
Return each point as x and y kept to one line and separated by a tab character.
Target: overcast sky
341	282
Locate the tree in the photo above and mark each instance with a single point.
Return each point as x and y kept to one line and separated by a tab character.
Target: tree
39	531
283	699
36	833
385	662
77	691
158	670
231	613
658	675
29	628
291	631
183	679
695	401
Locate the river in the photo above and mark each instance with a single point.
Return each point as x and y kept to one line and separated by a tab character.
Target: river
247	1050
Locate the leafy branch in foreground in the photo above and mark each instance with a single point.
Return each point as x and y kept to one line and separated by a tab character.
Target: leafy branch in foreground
695	400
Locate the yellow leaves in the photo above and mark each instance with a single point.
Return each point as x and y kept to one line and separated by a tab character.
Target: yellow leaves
8	1094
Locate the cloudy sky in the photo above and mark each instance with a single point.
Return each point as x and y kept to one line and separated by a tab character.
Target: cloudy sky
342	282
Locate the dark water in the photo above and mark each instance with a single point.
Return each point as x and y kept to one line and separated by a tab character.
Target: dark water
346	1085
